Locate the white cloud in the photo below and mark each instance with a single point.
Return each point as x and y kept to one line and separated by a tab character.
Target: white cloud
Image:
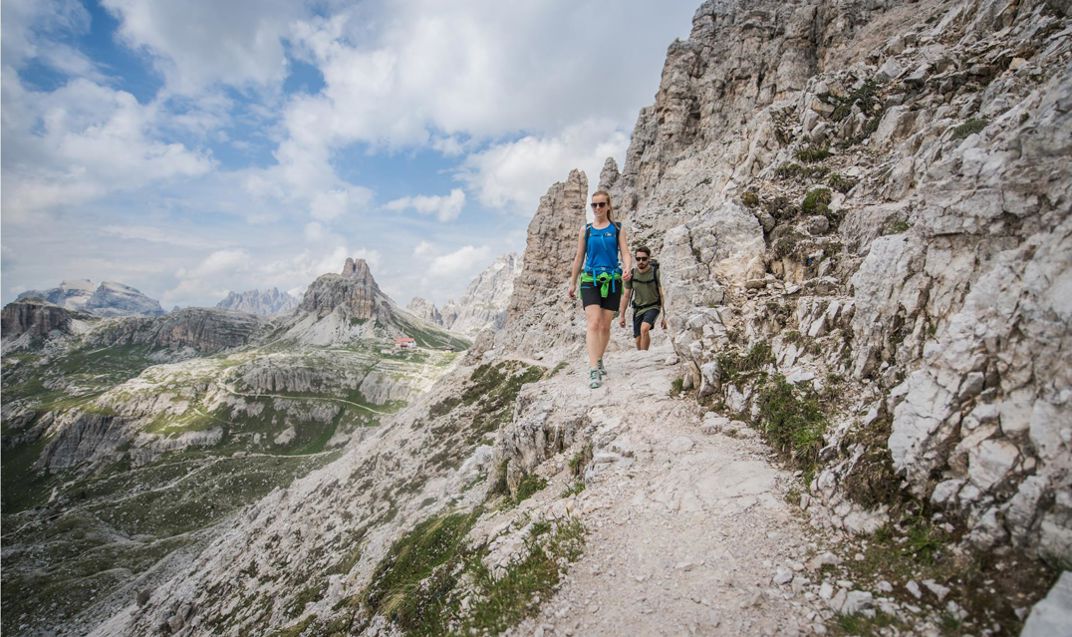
158	235
197	43
516	174
423	249
80	142
465	260
445	208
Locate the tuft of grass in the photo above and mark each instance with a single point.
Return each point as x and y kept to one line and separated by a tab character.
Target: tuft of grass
732	366
432	583
864	626
573	489
677	387
580	460
970	127
529	485
812	154
792	422
896	226
791	170
840	182
786	245
750	199
817	201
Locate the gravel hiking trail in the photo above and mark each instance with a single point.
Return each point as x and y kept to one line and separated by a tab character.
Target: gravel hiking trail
689	533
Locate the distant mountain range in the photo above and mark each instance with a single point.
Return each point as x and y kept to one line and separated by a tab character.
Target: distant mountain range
105	299
261	302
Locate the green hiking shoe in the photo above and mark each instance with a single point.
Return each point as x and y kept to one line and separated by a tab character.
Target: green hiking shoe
602	370
595	379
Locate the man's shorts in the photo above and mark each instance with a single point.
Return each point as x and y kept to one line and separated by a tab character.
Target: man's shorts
590	296
647	316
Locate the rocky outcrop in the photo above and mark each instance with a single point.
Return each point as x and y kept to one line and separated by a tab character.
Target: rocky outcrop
425	310
484	304
354	291
342	307
38	320
880	194
260	302
203	330
106	299
541	315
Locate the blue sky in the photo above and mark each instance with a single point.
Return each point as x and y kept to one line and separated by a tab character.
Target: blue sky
192	148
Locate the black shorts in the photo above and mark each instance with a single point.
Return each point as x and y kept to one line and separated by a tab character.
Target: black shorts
644	316
590	296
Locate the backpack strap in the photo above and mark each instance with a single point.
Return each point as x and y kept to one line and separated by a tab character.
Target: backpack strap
658	286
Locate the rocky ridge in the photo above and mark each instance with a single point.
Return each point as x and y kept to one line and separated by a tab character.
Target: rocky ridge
260	302
350	305
105	299
541	316
484	304
900	182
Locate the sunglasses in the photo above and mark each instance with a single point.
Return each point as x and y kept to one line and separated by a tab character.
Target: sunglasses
642	258
599	204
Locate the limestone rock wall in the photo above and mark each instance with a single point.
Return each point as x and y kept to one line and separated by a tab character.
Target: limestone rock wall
202	329
881	193
540	315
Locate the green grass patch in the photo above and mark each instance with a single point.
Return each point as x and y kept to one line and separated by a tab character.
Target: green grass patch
812	154
840	182
793	423
816	202
421	582
732	366
750	199
791	170
573	489
528	486
970	127
896	226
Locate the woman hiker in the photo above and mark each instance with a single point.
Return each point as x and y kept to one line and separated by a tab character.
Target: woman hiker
598	246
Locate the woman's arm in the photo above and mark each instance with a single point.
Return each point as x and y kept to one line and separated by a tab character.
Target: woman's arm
575	269
627	255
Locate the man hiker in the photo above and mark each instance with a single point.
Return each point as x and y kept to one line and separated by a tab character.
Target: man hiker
647	294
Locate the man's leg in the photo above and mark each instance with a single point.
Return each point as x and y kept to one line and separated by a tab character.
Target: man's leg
645	335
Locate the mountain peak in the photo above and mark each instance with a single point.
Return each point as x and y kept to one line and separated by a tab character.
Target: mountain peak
356	269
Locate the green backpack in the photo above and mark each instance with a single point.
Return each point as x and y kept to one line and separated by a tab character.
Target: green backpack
655	278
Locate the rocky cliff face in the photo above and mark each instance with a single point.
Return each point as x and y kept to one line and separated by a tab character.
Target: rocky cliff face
203	330
36	319
106	299
484	304
540	315
260	302
341	307
880	195
425	310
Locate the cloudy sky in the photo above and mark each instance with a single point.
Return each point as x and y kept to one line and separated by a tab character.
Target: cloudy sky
195	147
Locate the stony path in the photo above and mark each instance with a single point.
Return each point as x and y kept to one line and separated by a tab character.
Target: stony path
688	532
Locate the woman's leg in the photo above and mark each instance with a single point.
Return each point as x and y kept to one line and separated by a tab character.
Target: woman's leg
604	330
593	337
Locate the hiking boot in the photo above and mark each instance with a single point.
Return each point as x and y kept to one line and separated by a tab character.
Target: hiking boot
602	370
595	379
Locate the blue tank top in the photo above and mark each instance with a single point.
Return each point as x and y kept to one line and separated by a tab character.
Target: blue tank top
601	253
